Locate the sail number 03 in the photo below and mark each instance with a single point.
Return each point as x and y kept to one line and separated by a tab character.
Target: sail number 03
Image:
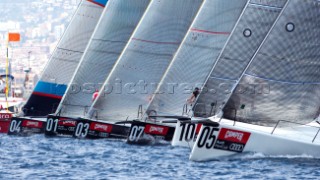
82	129
207	137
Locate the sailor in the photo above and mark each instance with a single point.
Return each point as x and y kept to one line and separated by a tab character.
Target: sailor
95	95
194	96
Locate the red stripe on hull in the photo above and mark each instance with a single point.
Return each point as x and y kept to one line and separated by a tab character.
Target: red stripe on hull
47	95
102	5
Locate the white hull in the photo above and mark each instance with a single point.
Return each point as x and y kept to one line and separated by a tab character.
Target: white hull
185	135
243	137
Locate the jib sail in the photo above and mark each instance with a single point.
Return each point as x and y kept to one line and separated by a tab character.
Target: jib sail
250	31
283	80
59	70
197	54
117	23
146	58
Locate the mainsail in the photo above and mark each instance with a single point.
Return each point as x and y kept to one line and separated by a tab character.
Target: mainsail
250	31
283	80
115	27
146	58
64	60
197	54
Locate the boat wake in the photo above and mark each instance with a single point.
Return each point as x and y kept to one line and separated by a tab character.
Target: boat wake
255	156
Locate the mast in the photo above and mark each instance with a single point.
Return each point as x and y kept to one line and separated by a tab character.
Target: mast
251	29
196	55
287	63
145	58
113	31
12	37
59	70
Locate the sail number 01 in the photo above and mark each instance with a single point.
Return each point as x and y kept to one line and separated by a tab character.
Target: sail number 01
207	137
52	124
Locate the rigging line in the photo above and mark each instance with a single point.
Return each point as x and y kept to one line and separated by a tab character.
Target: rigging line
105	51
70	50
209	32
66	60
107	40
150	53
155	42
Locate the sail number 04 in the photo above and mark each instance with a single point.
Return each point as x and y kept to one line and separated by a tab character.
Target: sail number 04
207	137
15	126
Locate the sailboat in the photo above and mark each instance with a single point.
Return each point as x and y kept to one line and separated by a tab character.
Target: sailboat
142	64
9	103
278	120
233	59
113	31
192	63
58	72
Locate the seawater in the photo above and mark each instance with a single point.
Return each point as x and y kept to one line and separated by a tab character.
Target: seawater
38	157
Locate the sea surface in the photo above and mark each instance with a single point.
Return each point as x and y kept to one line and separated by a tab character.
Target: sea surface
38	157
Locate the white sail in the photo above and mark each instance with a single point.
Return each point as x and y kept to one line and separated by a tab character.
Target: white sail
115	27
284	72
146	58
197	55
62	64
252	28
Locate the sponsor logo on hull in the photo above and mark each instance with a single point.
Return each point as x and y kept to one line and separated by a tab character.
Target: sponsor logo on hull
32	124
65	122
156	130
4	126
232	140
5	116
101	127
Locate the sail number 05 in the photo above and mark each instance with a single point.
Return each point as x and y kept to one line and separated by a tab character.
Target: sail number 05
207	137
